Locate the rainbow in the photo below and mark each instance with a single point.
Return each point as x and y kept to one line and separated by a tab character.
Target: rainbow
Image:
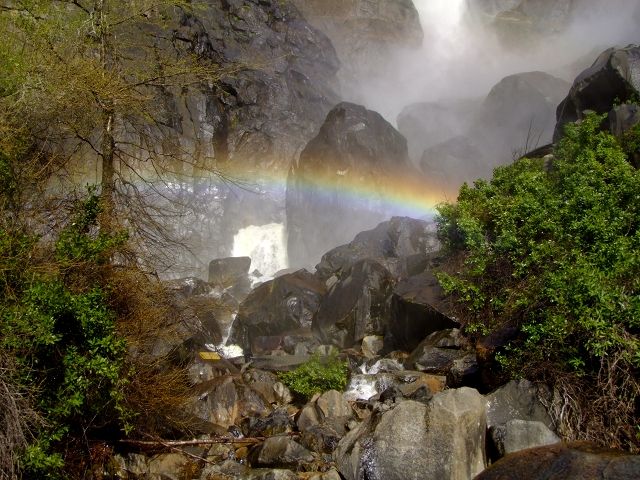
397	194
393	194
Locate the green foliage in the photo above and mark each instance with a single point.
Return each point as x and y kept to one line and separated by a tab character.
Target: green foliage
555	253
317	375
61	334
81	241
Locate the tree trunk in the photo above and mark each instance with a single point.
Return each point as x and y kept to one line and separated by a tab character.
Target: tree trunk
107	181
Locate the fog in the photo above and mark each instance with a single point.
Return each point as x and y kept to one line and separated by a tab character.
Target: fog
461	58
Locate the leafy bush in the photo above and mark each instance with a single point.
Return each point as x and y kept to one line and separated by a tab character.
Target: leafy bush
58	330
317	375
555	252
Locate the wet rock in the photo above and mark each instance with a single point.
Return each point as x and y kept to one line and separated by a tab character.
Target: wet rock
236	471
279	361
284	304
465	372
260	116
232	273
438	352
613	78
280	452
226	271
189	286
517	116
356	306
355	148
383	365
332	474
308	417
454	161
330	409
368	386
577	460
402	245
277	423
320	438
277	88
372	345
224	401
520	110
517	400
302	342
166	466
418	308
518	435
445	438
268	386
332	404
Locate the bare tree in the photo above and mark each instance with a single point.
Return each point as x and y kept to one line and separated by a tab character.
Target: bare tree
96	84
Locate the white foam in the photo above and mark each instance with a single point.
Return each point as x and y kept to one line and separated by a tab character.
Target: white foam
224	350
267	247
361	387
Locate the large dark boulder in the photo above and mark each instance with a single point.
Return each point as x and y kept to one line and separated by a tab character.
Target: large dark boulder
455	161
441	439
517	116
430	123
418	308
339	185
518	400
438	353
402	245
231	273
282	305
356	306
614	78
521	108
572	461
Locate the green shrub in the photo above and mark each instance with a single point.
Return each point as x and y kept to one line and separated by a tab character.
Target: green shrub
317	375
57	327
556	253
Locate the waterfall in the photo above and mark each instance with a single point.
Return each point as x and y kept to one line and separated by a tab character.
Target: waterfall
267	247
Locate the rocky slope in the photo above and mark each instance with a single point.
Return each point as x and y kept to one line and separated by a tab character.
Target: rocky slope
408	413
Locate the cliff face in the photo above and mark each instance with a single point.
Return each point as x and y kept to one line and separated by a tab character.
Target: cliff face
365	33
261	115
251	123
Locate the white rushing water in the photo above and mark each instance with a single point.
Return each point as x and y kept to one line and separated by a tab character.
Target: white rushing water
267	247
226	351
361	387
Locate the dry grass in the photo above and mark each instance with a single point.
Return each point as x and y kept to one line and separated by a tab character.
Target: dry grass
602	410
158	390
17	421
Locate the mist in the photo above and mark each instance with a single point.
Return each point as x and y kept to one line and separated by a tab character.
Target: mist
461	58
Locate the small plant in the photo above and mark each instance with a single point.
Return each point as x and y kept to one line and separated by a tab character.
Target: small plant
317	375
